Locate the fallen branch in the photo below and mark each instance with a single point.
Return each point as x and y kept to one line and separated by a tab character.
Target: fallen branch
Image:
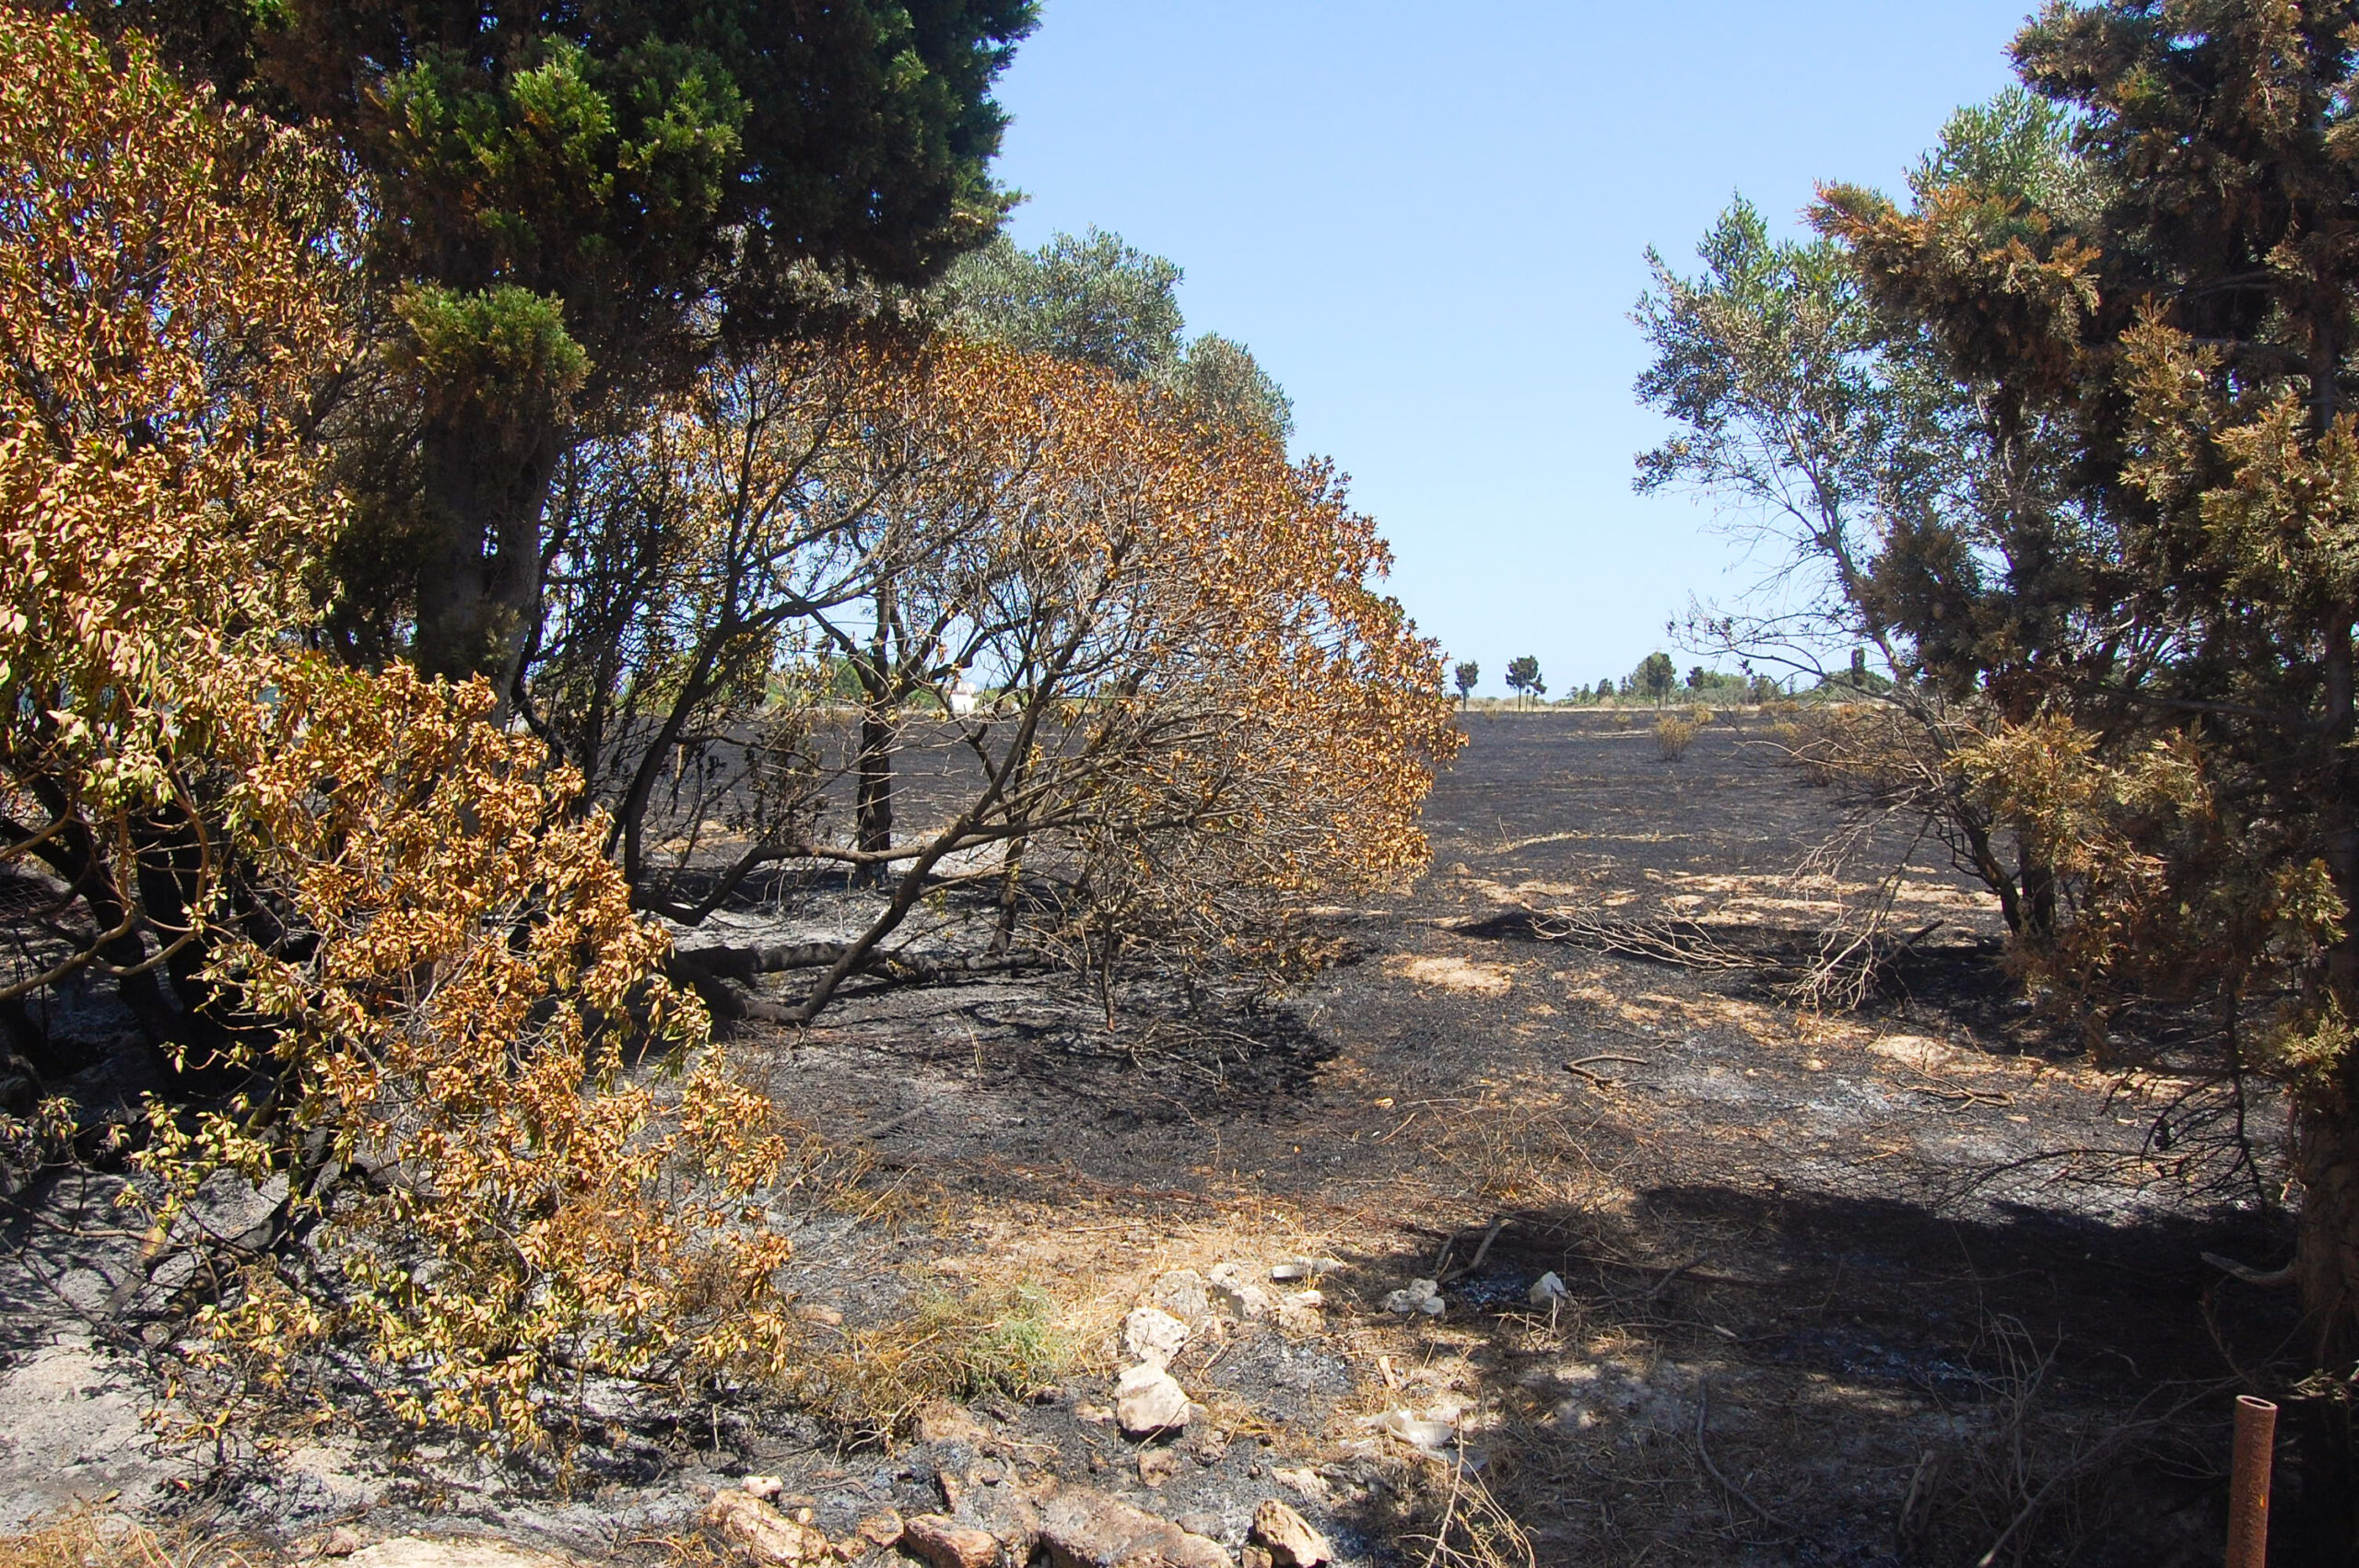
1580	1068
2270	1279
1481	1252
705	970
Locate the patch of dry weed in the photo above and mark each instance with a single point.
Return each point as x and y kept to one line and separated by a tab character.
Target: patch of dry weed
87	1537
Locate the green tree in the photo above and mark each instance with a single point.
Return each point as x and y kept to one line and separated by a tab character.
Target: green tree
1917	503
2131	559
1523	676
1463	676
1655	677
575	207
1102	302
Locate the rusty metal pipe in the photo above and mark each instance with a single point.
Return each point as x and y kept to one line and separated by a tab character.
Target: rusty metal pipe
2249	1482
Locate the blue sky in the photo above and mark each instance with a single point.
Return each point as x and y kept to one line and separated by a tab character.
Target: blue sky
1430	223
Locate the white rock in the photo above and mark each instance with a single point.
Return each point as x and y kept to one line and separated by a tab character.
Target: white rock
417	1551
1416	1431
766	1488
1148	1400
1307	1481
1182	1295
1421	1296
1548	1288
1287	1274
1237	1296
1153	1336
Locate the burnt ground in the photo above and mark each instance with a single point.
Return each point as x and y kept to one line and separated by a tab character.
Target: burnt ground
1877	1284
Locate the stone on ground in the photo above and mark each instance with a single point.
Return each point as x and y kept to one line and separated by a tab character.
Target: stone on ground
1148	1400
1288	1538
1182	1293
1153	1336
1235	1296
1085	1528
744	1524
947	1543
420	1552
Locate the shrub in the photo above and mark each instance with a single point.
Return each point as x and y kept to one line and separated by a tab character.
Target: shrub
1673	735
391	974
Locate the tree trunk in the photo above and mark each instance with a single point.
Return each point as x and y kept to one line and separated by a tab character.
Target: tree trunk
480	588
872	805
2323	1525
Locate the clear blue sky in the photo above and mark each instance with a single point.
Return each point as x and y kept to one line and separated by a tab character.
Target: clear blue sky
1428	222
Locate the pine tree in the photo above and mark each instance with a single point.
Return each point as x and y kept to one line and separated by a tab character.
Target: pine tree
576	206
2173	665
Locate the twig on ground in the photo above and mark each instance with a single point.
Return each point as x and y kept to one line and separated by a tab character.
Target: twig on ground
1703	1414
1581	1067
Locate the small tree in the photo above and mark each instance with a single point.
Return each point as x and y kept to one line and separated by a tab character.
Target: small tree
1655	677
1464	675
1523	676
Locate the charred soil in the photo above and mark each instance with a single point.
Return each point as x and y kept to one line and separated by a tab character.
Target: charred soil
1891	1283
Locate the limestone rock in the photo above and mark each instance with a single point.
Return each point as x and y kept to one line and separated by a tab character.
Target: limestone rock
1157	1466
883	1530
748	1526
947	1543
1235	1296
1308	1481
418	1551
1547	1289
1205	1444
1295	1268
1288	1538
939	1420
1085	1528
1182	1293
1421	1296
1153	1336
1148	1400
341	1541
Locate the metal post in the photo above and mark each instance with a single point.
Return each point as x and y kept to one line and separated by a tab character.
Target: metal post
2249	1482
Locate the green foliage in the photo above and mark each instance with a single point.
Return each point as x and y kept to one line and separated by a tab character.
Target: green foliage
1102	302
1221	377
2067	437
1655	677
500	353
1463	676
661	177
1523	676
1095	300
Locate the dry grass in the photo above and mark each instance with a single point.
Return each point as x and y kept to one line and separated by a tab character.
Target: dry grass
89	1539
1450	973
1462	1525
997	1339
1674	734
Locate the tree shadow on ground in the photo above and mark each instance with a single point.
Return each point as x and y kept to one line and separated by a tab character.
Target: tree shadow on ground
1884	1381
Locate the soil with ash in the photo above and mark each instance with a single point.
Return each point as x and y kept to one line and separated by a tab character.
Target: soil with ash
1885	1283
